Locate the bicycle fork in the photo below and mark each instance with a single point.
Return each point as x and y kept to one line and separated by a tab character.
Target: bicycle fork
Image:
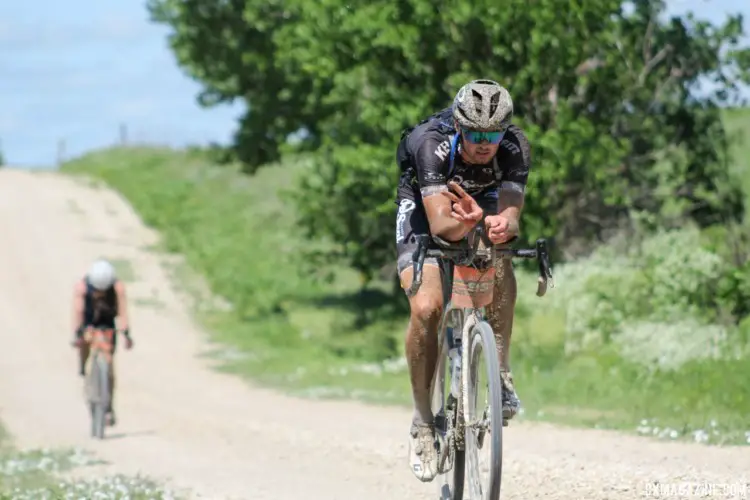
467	321
455	356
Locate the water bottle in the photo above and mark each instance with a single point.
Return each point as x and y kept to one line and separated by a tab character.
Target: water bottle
454	353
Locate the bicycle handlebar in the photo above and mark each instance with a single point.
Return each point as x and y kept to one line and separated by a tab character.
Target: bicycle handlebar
461	253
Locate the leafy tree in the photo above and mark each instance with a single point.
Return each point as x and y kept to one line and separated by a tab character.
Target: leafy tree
605	91
228	46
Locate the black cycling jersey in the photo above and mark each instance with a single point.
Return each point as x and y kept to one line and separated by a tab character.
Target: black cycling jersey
102	312
429	157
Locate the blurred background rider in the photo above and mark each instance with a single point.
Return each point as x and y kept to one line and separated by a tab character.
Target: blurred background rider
100	301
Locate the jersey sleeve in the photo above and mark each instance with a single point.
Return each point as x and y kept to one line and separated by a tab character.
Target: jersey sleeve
431	161
514	155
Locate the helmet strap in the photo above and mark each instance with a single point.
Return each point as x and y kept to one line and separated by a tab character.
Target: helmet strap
454	148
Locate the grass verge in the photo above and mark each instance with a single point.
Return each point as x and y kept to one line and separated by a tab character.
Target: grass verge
40	475
329	339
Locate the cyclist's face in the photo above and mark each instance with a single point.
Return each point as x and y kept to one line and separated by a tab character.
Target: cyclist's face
480	147
479	153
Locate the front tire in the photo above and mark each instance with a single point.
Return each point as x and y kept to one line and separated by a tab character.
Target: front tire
482	346
99	378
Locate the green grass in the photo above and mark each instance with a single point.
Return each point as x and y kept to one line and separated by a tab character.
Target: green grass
124	270
40	475
327	339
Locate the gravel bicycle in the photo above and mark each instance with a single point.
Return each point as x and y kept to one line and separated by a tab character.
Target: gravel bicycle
98	376
468	268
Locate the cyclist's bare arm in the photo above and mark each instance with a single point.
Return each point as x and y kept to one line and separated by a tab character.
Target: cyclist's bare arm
431	174
79	294
514	154
438	210
123	321
510	205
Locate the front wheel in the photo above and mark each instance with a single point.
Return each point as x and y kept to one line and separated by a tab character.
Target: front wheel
99	396
484	416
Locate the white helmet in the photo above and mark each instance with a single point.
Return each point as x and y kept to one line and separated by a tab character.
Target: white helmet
101	274
483	105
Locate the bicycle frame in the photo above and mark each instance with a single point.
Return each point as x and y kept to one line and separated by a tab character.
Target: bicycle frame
471	306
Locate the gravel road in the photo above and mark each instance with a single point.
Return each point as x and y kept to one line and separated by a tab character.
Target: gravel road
222	438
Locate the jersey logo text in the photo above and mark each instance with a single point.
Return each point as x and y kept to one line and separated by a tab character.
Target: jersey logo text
443	150
404	208
512	147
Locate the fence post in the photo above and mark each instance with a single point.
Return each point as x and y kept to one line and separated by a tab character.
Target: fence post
123	134
60	152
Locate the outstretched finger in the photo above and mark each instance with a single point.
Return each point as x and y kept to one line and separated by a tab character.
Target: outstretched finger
458	189
451	196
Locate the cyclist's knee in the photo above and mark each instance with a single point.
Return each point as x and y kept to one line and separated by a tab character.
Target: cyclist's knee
427	308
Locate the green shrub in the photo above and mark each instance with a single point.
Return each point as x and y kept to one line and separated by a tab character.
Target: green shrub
660	304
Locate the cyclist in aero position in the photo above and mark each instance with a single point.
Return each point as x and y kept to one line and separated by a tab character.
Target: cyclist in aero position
462	165
98	299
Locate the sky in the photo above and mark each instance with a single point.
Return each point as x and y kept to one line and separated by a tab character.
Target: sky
76	70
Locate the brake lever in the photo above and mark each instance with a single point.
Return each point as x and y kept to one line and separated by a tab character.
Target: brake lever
545	272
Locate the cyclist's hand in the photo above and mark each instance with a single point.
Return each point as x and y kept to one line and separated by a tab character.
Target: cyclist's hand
128	343
465	208
499	229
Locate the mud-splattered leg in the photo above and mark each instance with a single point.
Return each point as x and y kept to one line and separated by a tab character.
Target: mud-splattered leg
500	315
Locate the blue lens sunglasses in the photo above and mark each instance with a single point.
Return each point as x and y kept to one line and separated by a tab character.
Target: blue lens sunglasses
477	137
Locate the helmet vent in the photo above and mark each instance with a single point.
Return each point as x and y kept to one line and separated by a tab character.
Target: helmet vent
477	101
494	101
